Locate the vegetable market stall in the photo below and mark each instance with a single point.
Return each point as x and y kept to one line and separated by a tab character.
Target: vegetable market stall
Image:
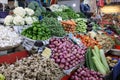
60	44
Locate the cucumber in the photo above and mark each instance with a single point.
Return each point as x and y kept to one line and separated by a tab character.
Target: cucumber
94	66
90	58
87	59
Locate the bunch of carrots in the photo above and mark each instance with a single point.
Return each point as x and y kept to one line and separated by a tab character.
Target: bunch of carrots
69	26
87	41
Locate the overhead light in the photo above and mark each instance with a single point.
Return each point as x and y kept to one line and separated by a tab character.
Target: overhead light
74	5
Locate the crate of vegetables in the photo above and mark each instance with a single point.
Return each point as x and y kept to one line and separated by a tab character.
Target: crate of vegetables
67	54
13	55
37	32
69	26
8	38
86	74
33	67
88	41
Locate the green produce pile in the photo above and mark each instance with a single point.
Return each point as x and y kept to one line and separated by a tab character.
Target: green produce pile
81	15
37	32
35	6
96	60
65	14
81	26
44	29
71	13
54	26
95	26
62	14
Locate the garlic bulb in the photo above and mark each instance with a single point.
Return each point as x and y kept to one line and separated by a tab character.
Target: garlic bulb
8	38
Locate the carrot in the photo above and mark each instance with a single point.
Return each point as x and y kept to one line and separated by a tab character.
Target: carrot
69	26
87	41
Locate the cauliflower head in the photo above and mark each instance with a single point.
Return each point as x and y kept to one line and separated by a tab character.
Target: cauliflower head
19	11
29	11
54	7
29	20
18	20
8	20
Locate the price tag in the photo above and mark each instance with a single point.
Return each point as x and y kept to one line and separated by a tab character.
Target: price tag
28	44
4	1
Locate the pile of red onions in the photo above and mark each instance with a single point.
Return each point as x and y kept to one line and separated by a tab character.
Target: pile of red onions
65	53
86	74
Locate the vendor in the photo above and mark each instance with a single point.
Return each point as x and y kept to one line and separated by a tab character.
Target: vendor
85	8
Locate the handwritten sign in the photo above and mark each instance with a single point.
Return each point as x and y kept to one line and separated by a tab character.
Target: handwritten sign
4	1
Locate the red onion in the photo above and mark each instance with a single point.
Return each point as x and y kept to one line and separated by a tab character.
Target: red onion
69	54
85	74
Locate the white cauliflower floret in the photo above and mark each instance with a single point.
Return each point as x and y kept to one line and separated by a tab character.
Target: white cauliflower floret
19	11
8	20
28	20
18	20
29	11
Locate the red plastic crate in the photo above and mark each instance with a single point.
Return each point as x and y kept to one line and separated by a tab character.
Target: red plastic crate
12	57
66	77
117	47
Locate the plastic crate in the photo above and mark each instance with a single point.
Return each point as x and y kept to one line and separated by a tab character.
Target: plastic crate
12	57
66	77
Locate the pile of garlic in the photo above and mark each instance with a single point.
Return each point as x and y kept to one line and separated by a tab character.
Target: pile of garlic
8	38
33	67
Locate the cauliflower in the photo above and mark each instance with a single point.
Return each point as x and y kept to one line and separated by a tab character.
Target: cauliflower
29	11
8	20
54	7
18	20
64	7
19	11
28	20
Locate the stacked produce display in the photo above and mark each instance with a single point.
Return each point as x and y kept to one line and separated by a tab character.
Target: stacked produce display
86	74
32	68
81	56
20	17
8	38
65	53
